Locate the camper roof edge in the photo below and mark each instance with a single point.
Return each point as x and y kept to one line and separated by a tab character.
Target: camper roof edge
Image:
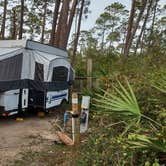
33	45
46	48
12	43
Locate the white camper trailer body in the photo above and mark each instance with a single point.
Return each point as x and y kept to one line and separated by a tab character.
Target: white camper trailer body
32	75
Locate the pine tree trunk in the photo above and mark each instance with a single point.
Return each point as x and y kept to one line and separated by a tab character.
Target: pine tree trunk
136	25
71	17
4	20
78	32
123	43
154	15
54	24
143	26
153	22
60	38
13	22
129	29
44	21
103	38
21	20
142	42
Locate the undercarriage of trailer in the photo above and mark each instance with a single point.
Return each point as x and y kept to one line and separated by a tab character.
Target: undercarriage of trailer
20	100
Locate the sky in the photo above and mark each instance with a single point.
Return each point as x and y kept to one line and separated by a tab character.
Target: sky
97	7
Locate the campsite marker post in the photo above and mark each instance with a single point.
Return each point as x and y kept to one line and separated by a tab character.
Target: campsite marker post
75	119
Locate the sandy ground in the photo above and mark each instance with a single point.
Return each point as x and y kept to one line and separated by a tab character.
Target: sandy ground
17	137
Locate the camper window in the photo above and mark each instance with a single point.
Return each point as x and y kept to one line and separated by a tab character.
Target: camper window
39	72
10	68
60	73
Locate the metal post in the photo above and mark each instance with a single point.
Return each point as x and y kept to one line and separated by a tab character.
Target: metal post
75	119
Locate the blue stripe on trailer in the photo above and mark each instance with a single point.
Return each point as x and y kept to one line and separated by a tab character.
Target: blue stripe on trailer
59	96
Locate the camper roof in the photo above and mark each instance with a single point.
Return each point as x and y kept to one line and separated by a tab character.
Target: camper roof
15	44
12	43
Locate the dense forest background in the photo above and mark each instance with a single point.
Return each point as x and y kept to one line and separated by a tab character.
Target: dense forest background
128	51
142	29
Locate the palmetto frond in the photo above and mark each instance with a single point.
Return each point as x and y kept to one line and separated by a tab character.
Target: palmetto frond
122	103
137	141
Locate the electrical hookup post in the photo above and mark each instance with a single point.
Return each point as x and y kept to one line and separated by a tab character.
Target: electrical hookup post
75	119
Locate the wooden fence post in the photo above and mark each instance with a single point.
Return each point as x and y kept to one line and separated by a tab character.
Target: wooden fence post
89	74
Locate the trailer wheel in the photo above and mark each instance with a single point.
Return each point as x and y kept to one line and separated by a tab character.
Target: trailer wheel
64	105
64	102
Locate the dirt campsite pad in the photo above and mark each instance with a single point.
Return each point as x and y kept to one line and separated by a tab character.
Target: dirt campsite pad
33	133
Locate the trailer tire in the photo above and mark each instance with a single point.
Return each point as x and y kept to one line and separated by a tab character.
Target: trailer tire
64	105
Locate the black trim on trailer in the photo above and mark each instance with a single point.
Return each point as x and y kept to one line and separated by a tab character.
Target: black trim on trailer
33	84
20	101
56	86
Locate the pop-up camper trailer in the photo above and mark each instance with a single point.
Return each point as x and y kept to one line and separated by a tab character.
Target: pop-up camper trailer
32	75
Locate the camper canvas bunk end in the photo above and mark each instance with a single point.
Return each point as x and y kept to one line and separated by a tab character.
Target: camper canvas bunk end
32	75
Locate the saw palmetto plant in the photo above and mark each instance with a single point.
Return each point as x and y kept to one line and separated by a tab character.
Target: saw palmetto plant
144	142
121	102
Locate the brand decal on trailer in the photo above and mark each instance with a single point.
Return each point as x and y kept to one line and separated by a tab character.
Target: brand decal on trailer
56	97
